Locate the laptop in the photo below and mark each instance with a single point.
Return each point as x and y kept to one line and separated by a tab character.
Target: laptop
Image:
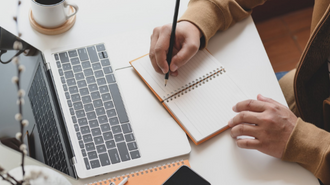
88	117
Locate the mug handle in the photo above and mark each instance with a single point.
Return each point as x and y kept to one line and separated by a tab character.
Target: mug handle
75	6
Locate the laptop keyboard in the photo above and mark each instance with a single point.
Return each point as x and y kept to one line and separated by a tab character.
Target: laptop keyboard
98	113
46	124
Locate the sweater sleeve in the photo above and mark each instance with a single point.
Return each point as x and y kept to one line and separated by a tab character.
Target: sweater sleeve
211	16
309	146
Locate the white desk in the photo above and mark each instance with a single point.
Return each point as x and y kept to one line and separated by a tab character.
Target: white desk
219	160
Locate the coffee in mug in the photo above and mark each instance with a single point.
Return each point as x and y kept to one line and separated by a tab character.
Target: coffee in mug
52	13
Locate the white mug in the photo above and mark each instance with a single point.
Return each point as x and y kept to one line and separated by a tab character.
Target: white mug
52	15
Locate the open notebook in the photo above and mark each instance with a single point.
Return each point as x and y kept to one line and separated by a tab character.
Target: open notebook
200	98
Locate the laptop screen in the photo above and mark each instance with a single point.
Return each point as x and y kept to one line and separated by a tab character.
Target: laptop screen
43	135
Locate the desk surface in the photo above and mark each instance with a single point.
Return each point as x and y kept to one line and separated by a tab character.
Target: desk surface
240	49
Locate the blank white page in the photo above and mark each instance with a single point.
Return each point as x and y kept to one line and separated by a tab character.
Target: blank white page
201	64
207	108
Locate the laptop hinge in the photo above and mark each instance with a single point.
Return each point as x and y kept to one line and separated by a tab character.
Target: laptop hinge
73	161
47	66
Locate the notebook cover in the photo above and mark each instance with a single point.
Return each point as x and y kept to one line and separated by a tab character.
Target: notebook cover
153	176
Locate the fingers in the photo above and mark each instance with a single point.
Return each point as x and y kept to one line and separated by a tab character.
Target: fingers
244	130
248	143
250	105
245	117
188	50
269	100
158	48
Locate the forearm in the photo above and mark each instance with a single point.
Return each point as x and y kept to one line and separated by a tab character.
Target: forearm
211	16
309	146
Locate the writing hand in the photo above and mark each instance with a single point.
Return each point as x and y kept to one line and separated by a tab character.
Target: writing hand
187	42
270	122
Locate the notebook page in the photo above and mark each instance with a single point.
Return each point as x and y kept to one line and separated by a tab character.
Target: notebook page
201	64
207	108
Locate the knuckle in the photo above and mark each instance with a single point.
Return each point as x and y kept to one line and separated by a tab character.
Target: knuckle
156	30
241	128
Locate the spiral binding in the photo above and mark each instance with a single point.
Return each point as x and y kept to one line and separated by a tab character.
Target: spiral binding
194	84
139	173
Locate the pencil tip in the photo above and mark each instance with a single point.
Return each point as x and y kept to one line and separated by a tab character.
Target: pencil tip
165	82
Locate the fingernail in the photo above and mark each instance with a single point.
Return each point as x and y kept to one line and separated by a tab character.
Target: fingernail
234	108
163	70
230	122
174	67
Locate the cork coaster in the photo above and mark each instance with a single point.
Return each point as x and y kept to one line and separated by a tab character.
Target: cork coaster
52	31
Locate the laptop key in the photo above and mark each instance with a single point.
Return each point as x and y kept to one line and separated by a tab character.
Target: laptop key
67	95
135	154
89	147
56	57
60	71
75	61
62	79
114	157
76	127
100	111
119	137
98	140
64	57
83	91
95	164
105	127
79	76
104	89
73	89
96	66
108	105
114	121
58	64
104	159
107	136
88	72
92	54
110	144
92	155
107	70
86	99
101	81
116	129
126	128
118	103
92	87
68	74
81	144
73	53
95	95
105	62
82	54
129	137
74	119
89	107
65	87
98	74
100	47
96	132
70	82
77	68
88	167
85	130
82	121
79	136
91	115
77	106
123	151
83	151
87	138
111	113
110	78
86	64
82	83
75	97
71	111
101	148
80	113
93	123
97	103
66	67
90	80
132	146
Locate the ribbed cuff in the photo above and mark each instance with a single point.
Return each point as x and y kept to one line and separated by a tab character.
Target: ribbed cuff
207	21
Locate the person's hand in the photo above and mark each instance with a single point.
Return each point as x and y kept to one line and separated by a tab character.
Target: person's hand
270	122
187	42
